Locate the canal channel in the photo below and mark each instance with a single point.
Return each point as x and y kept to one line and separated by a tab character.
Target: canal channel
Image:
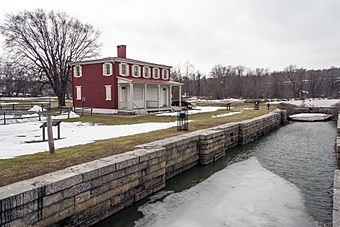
283	179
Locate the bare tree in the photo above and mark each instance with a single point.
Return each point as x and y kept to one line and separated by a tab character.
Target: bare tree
314	79
49	41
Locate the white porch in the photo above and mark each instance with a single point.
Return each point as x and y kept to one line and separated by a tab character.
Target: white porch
149	95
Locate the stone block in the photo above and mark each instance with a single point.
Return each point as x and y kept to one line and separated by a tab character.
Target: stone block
53	198
63	184
82	197
57	207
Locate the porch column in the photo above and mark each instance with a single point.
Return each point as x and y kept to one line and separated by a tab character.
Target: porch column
145	95
180	96
131	97
119	96
170	95
159	95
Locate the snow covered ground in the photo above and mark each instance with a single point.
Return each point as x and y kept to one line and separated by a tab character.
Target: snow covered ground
226	114
243	194
198	109
14	137
311	102
220	100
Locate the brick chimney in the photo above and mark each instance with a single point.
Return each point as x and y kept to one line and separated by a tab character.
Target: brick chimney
121	51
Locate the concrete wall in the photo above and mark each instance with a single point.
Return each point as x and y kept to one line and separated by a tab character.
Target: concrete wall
87	193
336	194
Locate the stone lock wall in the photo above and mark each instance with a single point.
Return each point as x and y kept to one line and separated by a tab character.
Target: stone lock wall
84	194
214	142
336	193
252	129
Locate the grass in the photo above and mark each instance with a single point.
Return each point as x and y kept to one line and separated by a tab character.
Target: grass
28	166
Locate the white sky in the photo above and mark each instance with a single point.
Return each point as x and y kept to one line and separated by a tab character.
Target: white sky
254	33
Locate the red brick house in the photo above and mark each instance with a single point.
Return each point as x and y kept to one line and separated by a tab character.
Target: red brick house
111	84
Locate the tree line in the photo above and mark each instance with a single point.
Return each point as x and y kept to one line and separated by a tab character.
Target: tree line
39	46
242	82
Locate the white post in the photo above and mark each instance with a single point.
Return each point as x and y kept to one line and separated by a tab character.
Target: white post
131	96
119	97
170	95
180	95
159	95
145	95
50	134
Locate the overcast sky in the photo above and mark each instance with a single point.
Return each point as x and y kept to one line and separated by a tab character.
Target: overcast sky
254	33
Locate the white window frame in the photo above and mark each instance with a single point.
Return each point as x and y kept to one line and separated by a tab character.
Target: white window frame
133	70
78	92
108	92
75	71
165	74
105	69
153	74
147	69
121	69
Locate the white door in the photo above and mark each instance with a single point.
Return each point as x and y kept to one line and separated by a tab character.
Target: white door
123	97
165	96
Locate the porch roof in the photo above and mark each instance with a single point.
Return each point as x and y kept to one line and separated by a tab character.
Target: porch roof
147	81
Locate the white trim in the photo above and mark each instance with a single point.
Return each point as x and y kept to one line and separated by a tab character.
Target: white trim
121	69
146	69
104	111
105	69
95	61
108	93
165	74
138	62
153	74
133	71
75	71
78	92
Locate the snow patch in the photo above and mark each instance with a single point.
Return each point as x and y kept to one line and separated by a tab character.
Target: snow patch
243	194
311	102
310	116
198	109
226	114
36	109
13	139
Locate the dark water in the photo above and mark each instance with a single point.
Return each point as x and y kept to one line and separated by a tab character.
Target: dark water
302	153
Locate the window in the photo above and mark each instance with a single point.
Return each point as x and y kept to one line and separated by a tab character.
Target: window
165	74
77	71
138	93
108	93
123	69
78	92
147	72
156	73
135	71
107	69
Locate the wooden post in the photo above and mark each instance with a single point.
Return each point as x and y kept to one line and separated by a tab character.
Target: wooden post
4	118
50	134
59	131
43	132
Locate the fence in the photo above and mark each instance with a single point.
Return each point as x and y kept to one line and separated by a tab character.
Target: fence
24	106
12	117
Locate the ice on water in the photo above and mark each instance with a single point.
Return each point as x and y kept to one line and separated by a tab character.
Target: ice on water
243	194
